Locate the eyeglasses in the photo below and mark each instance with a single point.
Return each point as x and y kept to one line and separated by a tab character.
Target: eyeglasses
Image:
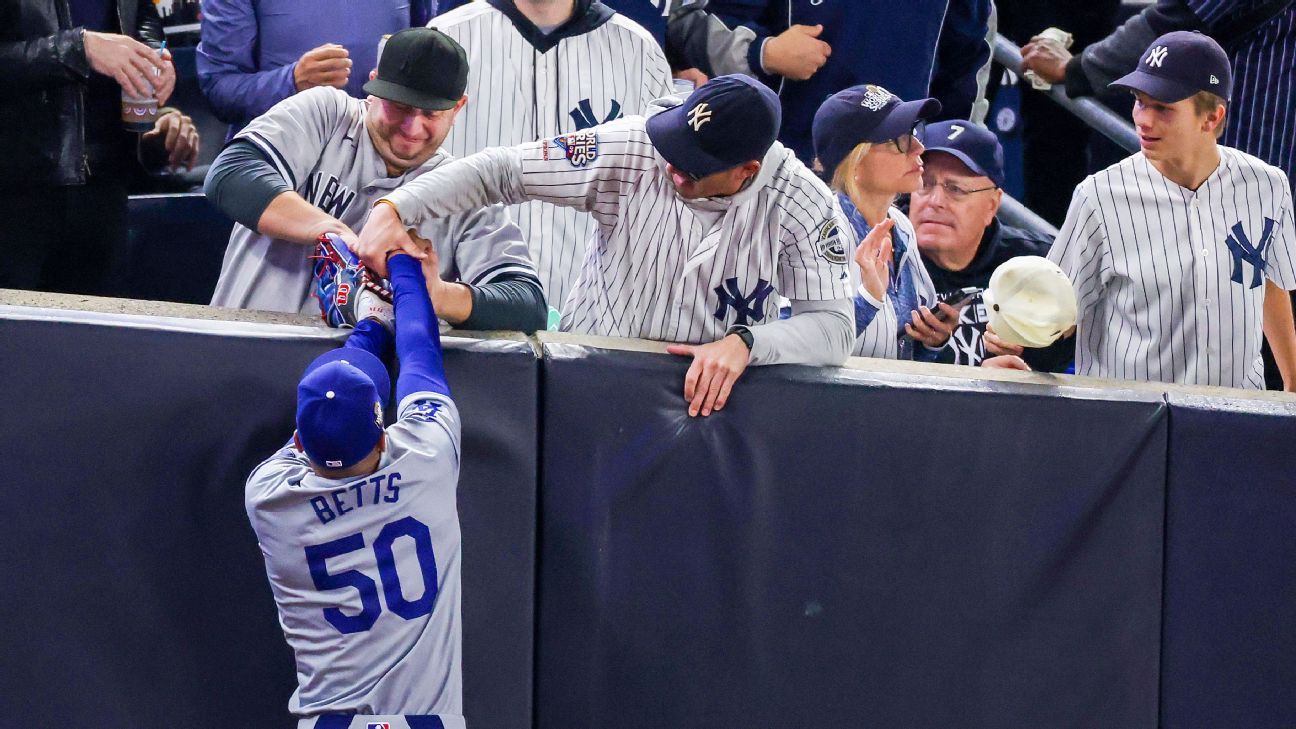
954	192
904	143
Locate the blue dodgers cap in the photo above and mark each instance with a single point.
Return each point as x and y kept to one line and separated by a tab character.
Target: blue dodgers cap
1180	64
864	113
726	122
974	146
340	403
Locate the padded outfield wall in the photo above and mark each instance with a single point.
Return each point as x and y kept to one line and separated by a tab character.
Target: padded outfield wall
884	544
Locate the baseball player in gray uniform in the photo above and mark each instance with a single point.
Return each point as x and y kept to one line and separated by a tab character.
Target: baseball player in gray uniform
1175	252
315	163
359	528
541	70
703	222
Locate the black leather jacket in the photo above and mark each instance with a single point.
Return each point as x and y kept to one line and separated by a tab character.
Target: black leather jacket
43	74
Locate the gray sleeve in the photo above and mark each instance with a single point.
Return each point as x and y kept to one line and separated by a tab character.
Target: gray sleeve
698	39
817	333
511	302
487	245
489	177
242	182
1119	53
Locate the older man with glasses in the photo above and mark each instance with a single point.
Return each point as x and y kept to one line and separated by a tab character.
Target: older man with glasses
962	241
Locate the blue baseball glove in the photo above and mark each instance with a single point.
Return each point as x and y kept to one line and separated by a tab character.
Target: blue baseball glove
346	291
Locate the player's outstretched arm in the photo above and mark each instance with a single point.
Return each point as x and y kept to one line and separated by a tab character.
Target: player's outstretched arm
418	338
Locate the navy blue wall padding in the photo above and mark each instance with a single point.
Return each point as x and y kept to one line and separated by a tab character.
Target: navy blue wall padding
1230	597
177	243
842	549
136	593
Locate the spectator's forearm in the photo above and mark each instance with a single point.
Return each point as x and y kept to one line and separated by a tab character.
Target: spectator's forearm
516	303
817	333
242	183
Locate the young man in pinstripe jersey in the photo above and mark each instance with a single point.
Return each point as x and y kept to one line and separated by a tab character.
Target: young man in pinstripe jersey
542	68
703	222
1180	254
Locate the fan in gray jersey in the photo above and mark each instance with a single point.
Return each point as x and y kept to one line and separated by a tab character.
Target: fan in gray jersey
315	163
541	70
703	222
1175	252
359	528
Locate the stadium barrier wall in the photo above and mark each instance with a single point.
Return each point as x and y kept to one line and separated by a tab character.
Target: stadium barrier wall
137	595
878	545
845	549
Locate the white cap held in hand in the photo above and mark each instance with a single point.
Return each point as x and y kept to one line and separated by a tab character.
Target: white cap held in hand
1030	302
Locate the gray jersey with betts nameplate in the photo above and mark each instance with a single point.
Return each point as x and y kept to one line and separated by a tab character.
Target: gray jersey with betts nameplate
365	571
318	142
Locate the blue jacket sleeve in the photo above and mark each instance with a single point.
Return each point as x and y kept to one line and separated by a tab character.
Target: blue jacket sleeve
418	335
962	52
236	89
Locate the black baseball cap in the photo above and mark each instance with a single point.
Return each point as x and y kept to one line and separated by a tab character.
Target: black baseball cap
728	121
1180	64
864	113
974	146
423	68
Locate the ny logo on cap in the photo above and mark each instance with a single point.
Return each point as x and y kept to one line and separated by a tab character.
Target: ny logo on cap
1157	56
698	116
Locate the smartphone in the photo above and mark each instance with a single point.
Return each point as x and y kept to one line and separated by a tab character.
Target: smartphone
957	299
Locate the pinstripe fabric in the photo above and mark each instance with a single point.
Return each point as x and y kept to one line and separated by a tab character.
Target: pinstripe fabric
517	95
1263	117
661	267
1163	294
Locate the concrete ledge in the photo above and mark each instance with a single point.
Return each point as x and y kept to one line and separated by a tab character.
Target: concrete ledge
127	312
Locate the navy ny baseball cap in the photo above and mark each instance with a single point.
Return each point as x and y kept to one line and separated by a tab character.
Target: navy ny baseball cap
974	146
1180	64
340	403
864	113
726	122
423	68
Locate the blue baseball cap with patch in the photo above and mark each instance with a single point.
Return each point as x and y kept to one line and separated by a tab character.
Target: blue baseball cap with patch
865	113
728	121
1180	64
340	403
973	145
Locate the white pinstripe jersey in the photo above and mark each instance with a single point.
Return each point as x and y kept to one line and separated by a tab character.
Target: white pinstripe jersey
662	267
517	94
1170	282
365	570
318	143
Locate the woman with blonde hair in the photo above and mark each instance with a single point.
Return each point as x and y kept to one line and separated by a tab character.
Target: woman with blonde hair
866	142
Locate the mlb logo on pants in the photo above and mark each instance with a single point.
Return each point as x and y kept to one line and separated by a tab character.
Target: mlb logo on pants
378	725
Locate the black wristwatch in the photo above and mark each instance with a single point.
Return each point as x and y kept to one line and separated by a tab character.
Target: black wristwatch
743	333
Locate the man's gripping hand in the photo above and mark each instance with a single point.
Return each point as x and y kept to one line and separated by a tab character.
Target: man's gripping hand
382	235
716	367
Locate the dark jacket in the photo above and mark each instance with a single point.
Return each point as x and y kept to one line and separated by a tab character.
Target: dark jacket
939	50
999	244
43	75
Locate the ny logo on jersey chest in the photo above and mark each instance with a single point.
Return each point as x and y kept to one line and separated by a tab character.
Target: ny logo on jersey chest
584	117
1242	250
747	308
